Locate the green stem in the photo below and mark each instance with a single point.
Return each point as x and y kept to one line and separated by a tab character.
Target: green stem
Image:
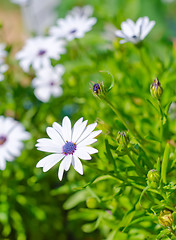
140	169
144	62
161	137
117	113
127	126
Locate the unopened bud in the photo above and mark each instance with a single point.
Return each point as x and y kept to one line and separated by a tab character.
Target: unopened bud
153	178
165	218
156	89
98	89
122	139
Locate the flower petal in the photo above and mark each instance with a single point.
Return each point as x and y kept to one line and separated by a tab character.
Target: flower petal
55	159
146	31
126	29
77	165
82	154
55	136
66	126
48	145
87	131
68	160
75	129
89	150
61	169
89	139
78	130
59	129
119	33
44	160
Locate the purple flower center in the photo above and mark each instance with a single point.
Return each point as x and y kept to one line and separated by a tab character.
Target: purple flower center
96	87
134	36
3	139
41	52
73	31
52	83
69	148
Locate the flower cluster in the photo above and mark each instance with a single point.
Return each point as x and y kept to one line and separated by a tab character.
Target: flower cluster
39	51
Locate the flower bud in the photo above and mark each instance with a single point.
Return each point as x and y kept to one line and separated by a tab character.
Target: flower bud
122	139
165	218
156	89
92	202
98	89
153	178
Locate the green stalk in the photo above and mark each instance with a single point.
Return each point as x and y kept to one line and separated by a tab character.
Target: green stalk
140	171
134	132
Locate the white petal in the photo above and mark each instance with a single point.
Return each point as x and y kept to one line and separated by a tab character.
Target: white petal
87	141
87	131
59	129
75	129
68	160
89	138
44	160
82	154
42	93
61	169
89	150
51	149
77	165
126	29
119	33
79	130
146	31
122	41
66	126
15	148
52	161
2	163
55	136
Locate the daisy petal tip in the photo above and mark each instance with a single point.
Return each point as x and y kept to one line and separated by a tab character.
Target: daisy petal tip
38	165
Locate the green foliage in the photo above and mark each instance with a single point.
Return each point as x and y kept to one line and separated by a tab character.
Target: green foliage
36	205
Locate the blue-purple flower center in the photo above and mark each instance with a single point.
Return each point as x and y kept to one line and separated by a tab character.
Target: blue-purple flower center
3	139
52	83
134	36
69	148
41	52
96	87
73	31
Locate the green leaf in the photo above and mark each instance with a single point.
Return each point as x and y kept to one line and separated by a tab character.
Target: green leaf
90	227
163	234
75	199
109	80
165	163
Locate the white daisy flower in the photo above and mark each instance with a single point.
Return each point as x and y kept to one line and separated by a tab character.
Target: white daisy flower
86	11
47	83
135	32
67	144
3	52
72	27
11	135
20	2
38	51
3	69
